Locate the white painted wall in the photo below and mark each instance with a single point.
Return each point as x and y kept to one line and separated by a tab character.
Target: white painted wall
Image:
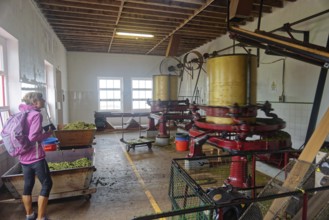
30	42
22	24
84	68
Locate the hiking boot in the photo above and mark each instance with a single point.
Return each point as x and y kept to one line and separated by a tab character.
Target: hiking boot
33	217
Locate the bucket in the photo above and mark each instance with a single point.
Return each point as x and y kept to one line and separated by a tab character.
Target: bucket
50	144
181	145
182	141
50	147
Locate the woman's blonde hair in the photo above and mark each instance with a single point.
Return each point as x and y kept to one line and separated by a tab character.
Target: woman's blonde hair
32	97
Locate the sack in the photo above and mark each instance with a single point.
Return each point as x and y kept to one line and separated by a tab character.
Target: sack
15	141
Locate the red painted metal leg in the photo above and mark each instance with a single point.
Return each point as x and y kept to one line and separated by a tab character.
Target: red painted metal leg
238	172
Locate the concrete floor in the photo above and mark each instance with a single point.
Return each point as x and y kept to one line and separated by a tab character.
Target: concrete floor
128	184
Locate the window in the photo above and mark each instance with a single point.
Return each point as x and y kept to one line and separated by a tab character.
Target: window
141	92
28	87
4	109
3	73
110	94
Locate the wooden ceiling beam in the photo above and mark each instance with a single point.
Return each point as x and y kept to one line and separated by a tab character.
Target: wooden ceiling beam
176	4
155	14
196	21
80	5
271	3
138	17
59	10
63	21
172	47
82	25
84	34
79	17
93	2
116	24
182	25
146	23
159	8
85	38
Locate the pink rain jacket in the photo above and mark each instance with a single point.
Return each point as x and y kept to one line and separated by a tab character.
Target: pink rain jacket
36	135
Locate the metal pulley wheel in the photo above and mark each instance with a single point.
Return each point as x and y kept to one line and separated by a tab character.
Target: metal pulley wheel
193	60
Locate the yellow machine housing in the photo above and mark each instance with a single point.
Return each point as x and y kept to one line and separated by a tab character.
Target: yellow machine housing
165	87
228	83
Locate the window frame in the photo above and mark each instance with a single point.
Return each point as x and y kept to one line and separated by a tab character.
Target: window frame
110	89
4	107
140	89
4	74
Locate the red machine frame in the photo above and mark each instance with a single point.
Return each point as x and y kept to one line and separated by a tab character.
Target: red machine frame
234	137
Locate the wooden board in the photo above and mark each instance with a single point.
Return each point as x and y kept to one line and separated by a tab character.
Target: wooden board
305	160
240	8
282	43
316	204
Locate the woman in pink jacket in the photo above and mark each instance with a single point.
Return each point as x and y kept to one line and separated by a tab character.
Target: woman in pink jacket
33	161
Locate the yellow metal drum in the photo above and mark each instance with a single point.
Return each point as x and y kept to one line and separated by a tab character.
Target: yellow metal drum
165	87
228	77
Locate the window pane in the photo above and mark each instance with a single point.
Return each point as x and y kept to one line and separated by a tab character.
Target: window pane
2	89
116	94
4	117
110	94
116	84
2	62
135	94
148	94
110	105
135	84
117	105
148	84
102	94
102	84
142	94
146	106
141	83
140	105
103	105
109	84
135	105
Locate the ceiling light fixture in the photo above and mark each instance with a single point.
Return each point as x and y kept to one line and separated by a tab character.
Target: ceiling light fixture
135	34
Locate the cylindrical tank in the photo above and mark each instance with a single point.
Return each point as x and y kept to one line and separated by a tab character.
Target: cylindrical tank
232	79
165	87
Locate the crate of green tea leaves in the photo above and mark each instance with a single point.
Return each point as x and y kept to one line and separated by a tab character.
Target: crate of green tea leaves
75	134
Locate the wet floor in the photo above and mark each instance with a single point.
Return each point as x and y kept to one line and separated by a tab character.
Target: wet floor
129	184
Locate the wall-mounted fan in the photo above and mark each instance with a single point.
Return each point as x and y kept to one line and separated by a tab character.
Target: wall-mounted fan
172	66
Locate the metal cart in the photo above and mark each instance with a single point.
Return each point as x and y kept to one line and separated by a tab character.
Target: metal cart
137	142
66	182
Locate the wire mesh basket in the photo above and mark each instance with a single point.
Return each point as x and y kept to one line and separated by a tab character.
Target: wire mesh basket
201	188
205	182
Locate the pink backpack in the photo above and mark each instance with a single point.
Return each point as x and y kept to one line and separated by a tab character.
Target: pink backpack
15	141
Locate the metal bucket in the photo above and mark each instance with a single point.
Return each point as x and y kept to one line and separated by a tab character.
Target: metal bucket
232	80
165	87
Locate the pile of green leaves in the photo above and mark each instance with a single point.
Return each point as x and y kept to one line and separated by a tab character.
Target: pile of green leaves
83	162
79	125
